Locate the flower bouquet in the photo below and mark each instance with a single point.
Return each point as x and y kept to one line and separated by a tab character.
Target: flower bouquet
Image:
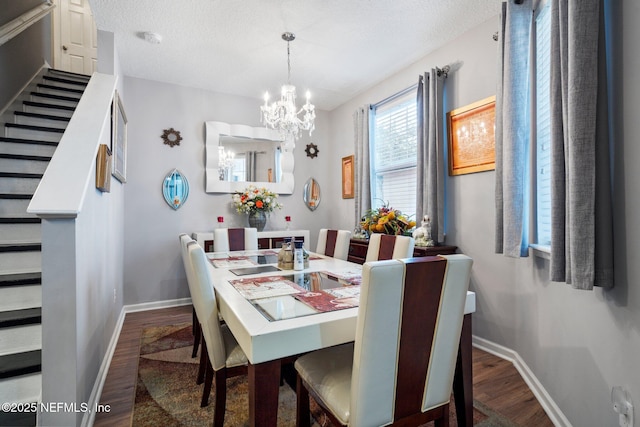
254	199
386	220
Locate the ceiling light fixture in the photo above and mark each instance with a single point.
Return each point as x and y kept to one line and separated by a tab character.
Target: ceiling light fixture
282	115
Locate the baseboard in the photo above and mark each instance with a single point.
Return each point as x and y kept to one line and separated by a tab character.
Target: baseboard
94	399
545	400
90	416
156	305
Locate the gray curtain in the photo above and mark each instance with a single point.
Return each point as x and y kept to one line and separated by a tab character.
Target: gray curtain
361	159
581	201
251	165
430	170
512	131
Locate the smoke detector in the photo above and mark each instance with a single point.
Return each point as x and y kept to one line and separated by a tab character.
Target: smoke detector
153	38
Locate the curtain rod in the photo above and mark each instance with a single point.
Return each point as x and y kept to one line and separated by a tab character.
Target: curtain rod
395	96
441	70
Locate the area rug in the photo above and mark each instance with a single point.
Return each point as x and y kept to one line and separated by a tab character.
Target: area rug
167	394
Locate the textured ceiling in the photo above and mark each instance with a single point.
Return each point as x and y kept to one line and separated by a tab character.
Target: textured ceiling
342	47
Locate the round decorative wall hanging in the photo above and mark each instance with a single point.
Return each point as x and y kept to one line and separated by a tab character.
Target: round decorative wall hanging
171	137
312	150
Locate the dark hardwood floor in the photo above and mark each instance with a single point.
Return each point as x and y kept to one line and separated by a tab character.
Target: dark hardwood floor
496	382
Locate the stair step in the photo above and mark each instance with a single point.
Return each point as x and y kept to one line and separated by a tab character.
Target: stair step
23	389
20	297
10	196
48	108
19	163
45	88
20	247
34	158
66	101
20	364
27	316
24	219
23	278
34	128
43	120
19	183
19	339
13	207
28	258
16	232
19	419
41	133
68	74
27	141
62	81
27	147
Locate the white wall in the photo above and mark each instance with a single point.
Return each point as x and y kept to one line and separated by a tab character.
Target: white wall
153	268
577	343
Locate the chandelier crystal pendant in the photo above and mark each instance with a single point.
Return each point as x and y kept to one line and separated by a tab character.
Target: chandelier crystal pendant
283	115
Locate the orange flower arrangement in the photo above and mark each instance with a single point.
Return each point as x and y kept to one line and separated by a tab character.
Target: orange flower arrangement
386	220
254	199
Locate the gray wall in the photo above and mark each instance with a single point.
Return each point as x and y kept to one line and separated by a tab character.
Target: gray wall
153	267
22	56
579	344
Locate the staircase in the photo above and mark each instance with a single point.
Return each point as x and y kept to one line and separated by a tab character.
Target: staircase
40	117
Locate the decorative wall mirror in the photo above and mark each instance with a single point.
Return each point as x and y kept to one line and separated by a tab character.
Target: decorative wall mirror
311	194
175	189
239	155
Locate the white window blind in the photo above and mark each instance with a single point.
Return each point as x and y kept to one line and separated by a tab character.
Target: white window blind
393	154
543	127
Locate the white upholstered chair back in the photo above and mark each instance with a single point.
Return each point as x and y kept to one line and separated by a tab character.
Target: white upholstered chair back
388	246
188	269
410	319
235	239
206	307
334	243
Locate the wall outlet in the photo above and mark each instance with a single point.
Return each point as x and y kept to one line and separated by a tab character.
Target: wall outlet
115	295
622	405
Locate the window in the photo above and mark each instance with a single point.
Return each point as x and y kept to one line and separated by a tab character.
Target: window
394	153
543	127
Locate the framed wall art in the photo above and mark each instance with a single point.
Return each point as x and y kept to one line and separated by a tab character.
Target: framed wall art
471	132
103	169
348	169
119	139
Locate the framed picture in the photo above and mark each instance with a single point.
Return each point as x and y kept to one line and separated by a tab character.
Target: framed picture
103	169
119	139
471	132
347	177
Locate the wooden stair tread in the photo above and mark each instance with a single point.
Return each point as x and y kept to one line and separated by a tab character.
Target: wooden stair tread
33	127
66	81
25	157
27	141
20	247
27	316
46	105
42	116
16	364
20	279
58	97
60	88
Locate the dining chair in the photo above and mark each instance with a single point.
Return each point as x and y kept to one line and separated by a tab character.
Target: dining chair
399	370
389	246
334	243
235	239
224	357
195	326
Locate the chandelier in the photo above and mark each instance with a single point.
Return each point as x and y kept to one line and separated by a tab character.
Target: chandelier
283	115
225	163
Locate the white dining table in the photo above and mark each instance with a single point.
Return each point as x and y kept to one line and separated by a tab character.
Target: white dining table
280	328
